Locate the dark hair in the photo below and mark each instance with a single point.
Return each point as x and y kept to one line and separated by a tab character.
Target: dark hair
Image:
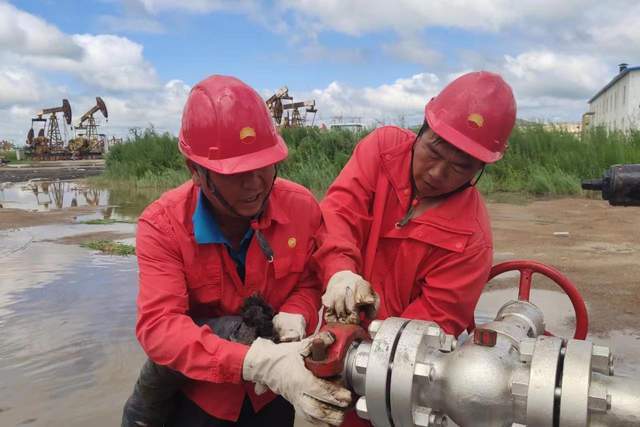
423	129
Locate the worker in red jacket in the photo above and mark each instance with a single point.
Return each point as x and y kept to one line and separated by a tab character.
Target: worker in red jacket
406	232
232	232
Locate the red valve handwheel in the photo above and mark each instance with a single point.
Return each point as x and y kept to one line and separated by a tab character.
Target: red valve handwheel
527	268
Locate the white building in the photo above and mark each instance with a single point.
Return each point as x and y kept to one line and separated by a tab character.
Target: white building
617	105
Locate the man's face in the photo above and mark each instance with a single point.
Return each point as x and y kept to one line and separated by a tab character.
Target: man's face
439	167
245	192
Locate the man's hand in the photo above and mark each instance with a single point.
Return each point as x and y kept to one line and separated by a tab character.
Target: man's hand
348	293
281	368
289	327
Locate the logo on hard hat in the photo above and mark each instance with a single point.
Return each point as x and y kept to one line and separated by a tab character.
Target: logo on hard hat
247	135
476	119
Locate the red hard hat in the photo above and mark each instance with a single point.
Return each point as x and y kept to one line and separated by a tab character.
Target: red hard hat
227	128
476	113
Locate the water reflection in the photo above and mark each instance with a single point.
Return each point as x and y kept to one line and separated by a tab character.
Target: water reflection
113	202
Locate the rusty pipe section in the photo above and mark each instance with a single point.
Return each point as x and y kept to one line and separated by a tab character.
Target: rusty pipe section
507	374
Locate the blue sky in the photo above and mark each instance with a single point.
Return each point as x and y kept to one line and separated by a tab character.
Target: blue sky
377	60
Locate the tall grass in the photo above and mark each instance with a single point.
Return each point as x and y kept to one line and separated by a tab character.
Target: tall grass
317	156
553	162
539	161
148	160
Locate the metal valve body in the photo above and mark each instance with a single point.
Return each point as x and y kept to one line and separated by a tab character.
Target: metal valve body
507	374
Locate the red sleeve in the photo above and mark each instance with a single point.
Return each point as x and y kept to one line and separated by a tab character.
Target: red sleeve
305	297
451	289
346	211
167	334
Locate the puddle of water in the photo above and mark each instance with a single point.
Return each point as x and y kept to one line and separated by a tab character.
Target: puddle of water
49	195
118	203
68	354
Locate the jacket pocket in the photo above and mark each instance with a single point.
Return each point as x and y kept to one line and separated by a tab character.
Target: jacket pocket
207	293
204	285
282	266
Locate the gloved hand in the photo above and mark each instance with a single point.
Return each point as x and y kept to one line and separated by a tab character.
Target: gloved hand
281	368
347	293
289	327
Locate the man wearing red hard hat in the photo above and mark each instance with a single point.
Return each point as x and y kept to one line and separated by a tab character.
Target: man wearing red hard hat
405	231
206	248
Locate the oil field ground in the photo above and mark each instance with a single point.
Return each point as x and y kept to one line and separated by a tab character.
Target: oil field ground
54	169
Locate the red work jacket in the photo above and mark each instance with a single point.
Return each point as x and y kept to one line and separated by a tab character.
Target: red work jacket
181	280
433	268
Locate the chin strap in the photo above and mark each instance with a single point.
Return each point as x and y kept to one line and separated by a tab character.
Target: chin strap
253	220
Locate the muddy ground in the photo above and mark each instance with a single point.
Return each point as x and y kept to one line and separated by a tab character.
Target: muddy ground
51	170
595	245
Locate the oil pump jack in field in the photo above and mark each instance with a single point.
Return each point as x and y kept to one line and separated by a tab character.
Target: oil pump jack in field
288	114
49	143
88	142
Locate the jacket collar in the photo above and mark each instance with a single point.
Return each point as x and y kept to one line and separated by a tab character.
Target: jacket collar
273	210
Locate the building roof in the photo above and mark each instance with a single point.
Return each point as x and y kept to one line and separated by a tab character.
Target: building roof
613	81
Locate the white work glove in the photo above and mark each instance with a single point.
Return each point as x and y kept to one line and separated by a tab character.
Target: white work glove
348	293
289	327
281	368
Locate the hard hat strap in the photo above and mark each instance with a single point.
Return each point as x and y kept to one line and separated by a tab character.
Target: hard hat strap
475	181
253	220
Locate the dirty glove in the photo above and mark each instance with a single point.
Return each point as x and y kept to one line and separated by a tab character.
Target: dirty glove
347	293
281	368
289	327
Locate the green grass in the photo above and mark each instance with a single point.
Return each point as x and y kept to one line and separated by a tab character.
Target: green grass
11	157
150	160
553	162
110	247
317	156
539	161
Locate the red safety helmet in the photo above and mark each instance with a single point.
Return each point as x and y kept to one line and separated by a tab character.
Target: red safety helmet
476	113
227	128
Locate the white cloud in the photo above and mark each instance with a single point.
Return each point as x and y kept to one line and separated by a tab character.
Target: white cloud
26	34
18	86
546	73
109	62
114	63
360	16
387	103
617	32
162	108
101	61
